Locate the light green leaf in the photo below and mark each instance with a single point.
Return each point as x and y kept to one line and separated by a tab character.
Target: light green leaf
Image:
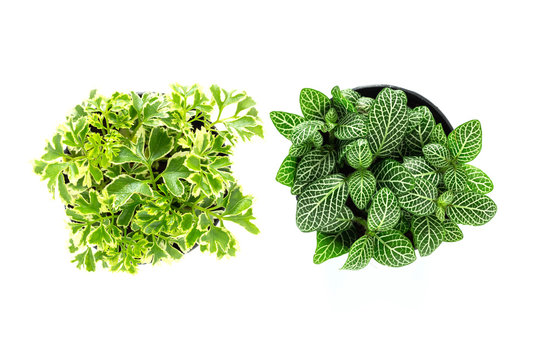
393	249
452	232
331	119
361	185
418	167
342	100
384	211
342	222
477	180
244	220
446	198
305	131
124	187
285	122
126	155
358	154
465	142
315	164
217	239
54	150
421	199
351	126
314	104
387	122
331	246
156	253
419	134
360	254
428	233
470	208
174	173
159	145
393	175
287	171
100	236
437	155
321	202
455	179
438	135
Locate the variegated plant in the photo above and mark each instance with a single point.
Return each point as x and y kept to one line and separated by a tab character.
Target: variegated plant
147	178
377	179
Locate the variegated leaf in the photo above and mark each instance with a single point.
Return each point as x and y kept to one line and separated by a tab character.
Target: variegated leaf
470	208
331	118
393	175
342	222
351	95
387	122
393	249
287	171
361	185
419	167
305	131
317	140
358	154
440	213
419	134
465	142
437	155
446	198
455	178
315	164
384	211
438	135
360	254
477	180
421	199
285	122
321	202
300	150
428	233
331	246
351	126
404	223
363	105
314	104
338	98
452	232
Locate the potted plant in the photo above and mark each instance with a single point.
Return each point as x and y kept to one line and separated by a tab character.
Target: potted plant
376	175
147	177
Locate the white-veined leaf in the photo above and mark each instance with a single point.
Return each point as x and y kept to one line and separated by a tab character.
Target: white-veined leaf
315	164
351	126
421	199
321	202
384	211
477	180
421	124
363	104
342	222
465	142
438	135
362	186
358	154
470	208
419	167
393	249
285	122
452	232
314	104
331	246
287	171
437	155
428	233
393	175
455	179
360	254
300	150
305	132
344	103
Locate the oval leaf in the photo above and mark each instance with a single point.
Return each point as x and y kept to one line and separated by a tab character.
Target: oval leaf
393	249
437	155
285	122
314	104
361	185
287	171
428	233
477	180
352	126
331	246
470	208
360	254
393	175
384	211
421	199
465	142
358	154
314	165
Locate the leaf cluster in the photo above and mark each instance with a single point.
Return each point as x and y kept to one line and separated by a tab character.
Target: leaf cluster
147	177
378	179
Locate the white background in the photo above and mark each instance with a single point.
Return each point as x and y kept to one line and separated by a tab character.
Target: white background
474	299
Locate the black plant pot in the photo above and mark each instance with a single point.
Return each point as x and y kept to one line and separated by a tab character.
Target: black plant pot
413	99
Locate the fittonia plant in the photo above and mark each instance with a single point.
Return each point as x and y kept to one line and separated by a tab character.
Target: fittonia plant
377	179
146	179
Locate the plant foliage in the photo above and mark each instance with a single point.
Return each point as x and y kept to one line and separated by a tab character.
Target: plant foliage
146	178
378	179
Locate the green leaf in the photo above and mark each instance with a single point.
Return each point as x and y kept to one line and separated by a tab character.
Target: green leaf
438	135
314	165
244	220
55	150
465	142
418	167
331	246
137	102
100	236
285	122
393	249
452	232
124	187
404	223
351	126
300	150
361	185
393	175
174	173
217	239
358	154
342	100
384	211
156	253
89	261
321	202
124	219
360	254
287	171
419	134
470	208
62	190
387	122
342	222
159	145
455	179
477	180
314	104
437	155
428	233
364	104
331	118
305	132
421	199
